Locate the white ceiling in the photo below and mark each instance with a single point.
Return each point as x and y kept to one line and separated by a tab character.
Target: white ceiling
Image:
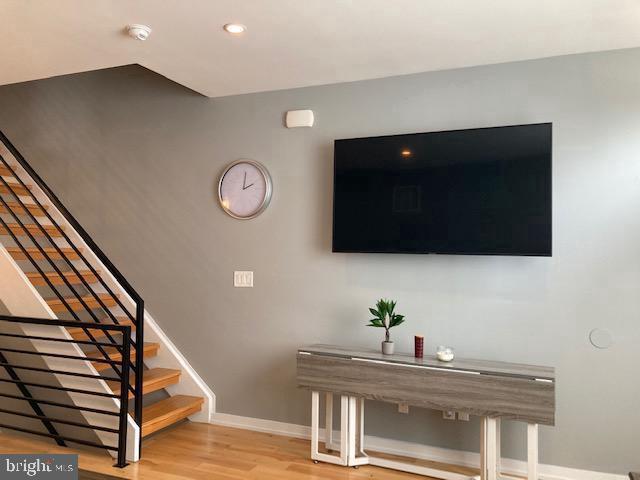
295	43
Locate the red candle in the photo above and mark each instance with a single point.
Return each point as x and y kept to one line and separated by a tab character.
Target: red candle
419	346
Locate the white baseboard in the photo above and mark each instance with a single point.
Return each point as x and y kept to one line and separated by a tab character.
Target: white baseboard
399	447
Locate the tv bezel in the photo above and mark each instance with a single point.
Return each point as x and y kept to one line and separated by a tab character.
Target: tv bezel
405	252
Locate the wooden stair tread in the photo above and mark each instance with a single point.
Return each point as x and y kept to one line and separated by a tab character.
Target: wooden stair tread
58	307
6	171
18	209
78	333
15	188
166	412
35	230
156	416
38	280
149	350
69	253
153	379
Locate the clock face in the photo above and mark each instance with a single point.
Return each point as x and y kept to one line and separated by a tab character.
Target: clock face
245	189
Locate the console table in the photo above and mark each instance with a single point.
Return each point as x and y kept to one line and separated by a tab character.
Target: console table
490	390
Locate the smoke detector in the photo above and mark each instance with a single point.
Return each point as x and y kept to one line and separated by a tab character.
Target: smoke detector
139	32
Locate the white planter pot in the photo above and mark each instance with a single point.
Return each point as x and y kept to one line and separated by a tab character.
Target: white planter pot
387	348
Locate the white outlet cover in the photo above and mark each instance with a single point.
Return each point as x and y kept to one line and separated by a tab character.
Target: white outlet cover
243	278
448	415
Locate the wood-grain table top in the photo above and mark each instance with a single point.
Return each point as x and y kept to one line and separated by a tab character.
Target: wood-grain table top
489	367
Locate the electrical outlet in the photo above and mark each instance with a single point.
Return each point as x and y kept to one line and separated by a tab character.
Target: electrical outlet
449	415
464	416
242	279
403	407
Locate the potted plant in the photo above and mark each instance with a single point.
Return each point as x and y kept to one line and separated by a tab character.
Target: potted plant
385	317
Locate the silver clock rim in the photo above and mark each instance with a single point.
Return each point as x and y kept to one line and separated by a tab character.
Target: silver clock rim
268	188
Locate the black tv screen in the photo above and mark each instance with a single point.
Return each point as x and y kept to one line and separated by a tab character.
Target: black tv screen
485	191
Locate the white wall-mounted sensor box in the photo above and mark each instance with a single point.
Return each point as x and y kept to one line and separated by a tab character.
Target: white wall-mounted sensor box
299	118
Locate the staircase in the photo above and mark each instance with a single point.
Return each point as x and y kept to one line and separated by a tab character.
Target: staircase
76	281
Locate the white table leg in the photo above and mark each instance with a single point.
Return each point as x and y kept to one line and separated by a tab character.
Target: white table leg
344	429
356	455
483	448
532	451
498	446
317	456
328	421
491	449
352	441
352	430
315	414
361	428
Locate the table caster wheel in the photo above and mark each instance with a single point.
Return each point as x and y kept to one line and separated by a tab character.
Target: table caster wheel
315	461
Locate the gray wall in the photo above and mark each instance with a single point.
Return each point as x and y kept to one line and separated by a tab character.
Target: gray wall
136	158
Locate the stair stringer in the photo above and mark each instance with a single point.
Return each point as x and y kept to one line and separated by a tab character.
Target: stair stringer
169	356
21	299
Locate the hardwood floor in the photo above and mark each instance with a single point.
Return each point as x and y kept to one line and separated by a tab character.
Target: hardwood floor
199	451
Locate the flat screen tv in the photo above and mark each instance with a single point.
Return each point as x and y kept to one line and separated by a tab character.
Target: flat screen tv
485	191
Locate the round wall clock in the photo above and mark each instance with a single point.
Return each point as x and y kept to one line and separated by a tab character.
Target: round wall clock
245	189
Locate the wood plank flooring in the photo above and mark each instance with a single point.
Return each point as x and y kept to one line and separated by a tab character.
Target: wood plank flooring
198	451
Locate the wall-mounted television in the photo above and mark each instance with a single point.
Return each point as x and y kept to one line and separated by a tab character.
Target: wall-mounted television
484	191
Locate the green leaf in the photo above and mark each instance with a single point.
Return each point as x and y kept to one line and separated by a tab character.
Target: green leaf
396	320
382	306
385	308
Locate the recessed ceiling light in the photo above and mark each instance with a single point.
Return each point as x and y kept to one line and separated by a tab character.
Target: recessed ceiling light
406	152
235	28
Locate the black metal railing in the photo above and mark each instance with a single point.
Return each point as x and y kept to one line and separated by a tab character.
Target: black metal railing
43	256
18	363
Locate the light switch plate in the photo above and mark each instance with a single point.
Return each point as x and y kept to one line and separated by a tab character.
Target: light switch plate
243	279
463	416
403	407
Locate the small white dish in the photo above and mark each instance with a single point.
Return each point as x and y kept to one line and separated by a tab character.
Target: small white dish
445	354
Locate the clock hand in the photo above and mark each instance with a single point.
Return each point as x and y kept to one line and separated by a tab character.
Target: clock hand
244	188
244	182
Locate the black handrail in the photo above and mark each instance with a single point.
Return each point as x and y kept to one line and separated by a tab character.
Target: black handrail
47	235
51	263
123	379
97	251
29	398
42	273
20	224
74	223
